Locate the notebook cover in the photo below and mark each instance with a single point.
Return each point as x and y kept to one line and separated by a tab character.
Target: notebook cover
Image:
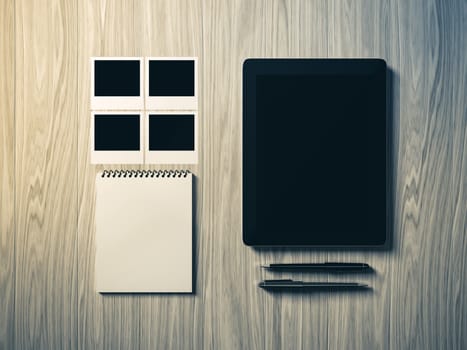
143	234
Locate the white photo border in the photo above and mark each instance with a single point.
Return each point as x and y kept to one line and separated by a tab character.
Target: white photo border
179	103
171	157
118	157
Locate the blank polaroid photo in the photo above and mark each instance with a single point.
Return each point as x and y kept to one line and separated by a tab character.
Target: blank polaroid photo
171	83
171	138
117	83
116	138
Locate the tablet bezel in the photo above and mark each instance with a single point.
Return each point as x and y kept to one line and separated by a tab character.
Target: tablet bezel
262	66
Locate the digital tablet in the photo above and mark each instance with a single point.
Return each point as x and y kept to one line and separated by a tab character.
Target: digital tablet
315	152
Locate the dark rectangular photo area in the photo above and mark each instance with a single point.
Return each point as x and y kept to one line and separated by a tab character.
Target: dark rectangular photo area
117	132
172	78
171	132
117	78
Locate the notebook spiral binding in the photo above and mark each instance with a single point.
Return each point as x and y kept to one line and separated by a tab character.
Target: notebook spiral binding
145	173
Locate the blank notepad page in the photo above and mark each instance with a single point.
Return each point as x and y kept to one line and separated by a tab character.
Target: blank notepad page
144	233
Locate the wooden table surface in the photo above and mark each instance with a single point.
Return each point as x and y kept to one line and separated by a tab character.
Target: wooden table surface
47	299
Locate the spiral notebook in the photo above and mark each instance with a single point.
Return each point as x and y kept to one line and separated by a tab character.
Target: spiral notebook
144	232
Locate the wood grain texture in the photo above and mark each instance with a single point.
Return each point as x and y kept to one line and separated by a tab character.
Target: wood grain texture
300	319
46	191
48	300
362	29
174	28
7	174
429	253
105	28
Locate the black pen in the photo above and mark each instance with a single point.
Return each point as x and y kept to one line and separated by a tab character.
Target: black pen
288	283
320	266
